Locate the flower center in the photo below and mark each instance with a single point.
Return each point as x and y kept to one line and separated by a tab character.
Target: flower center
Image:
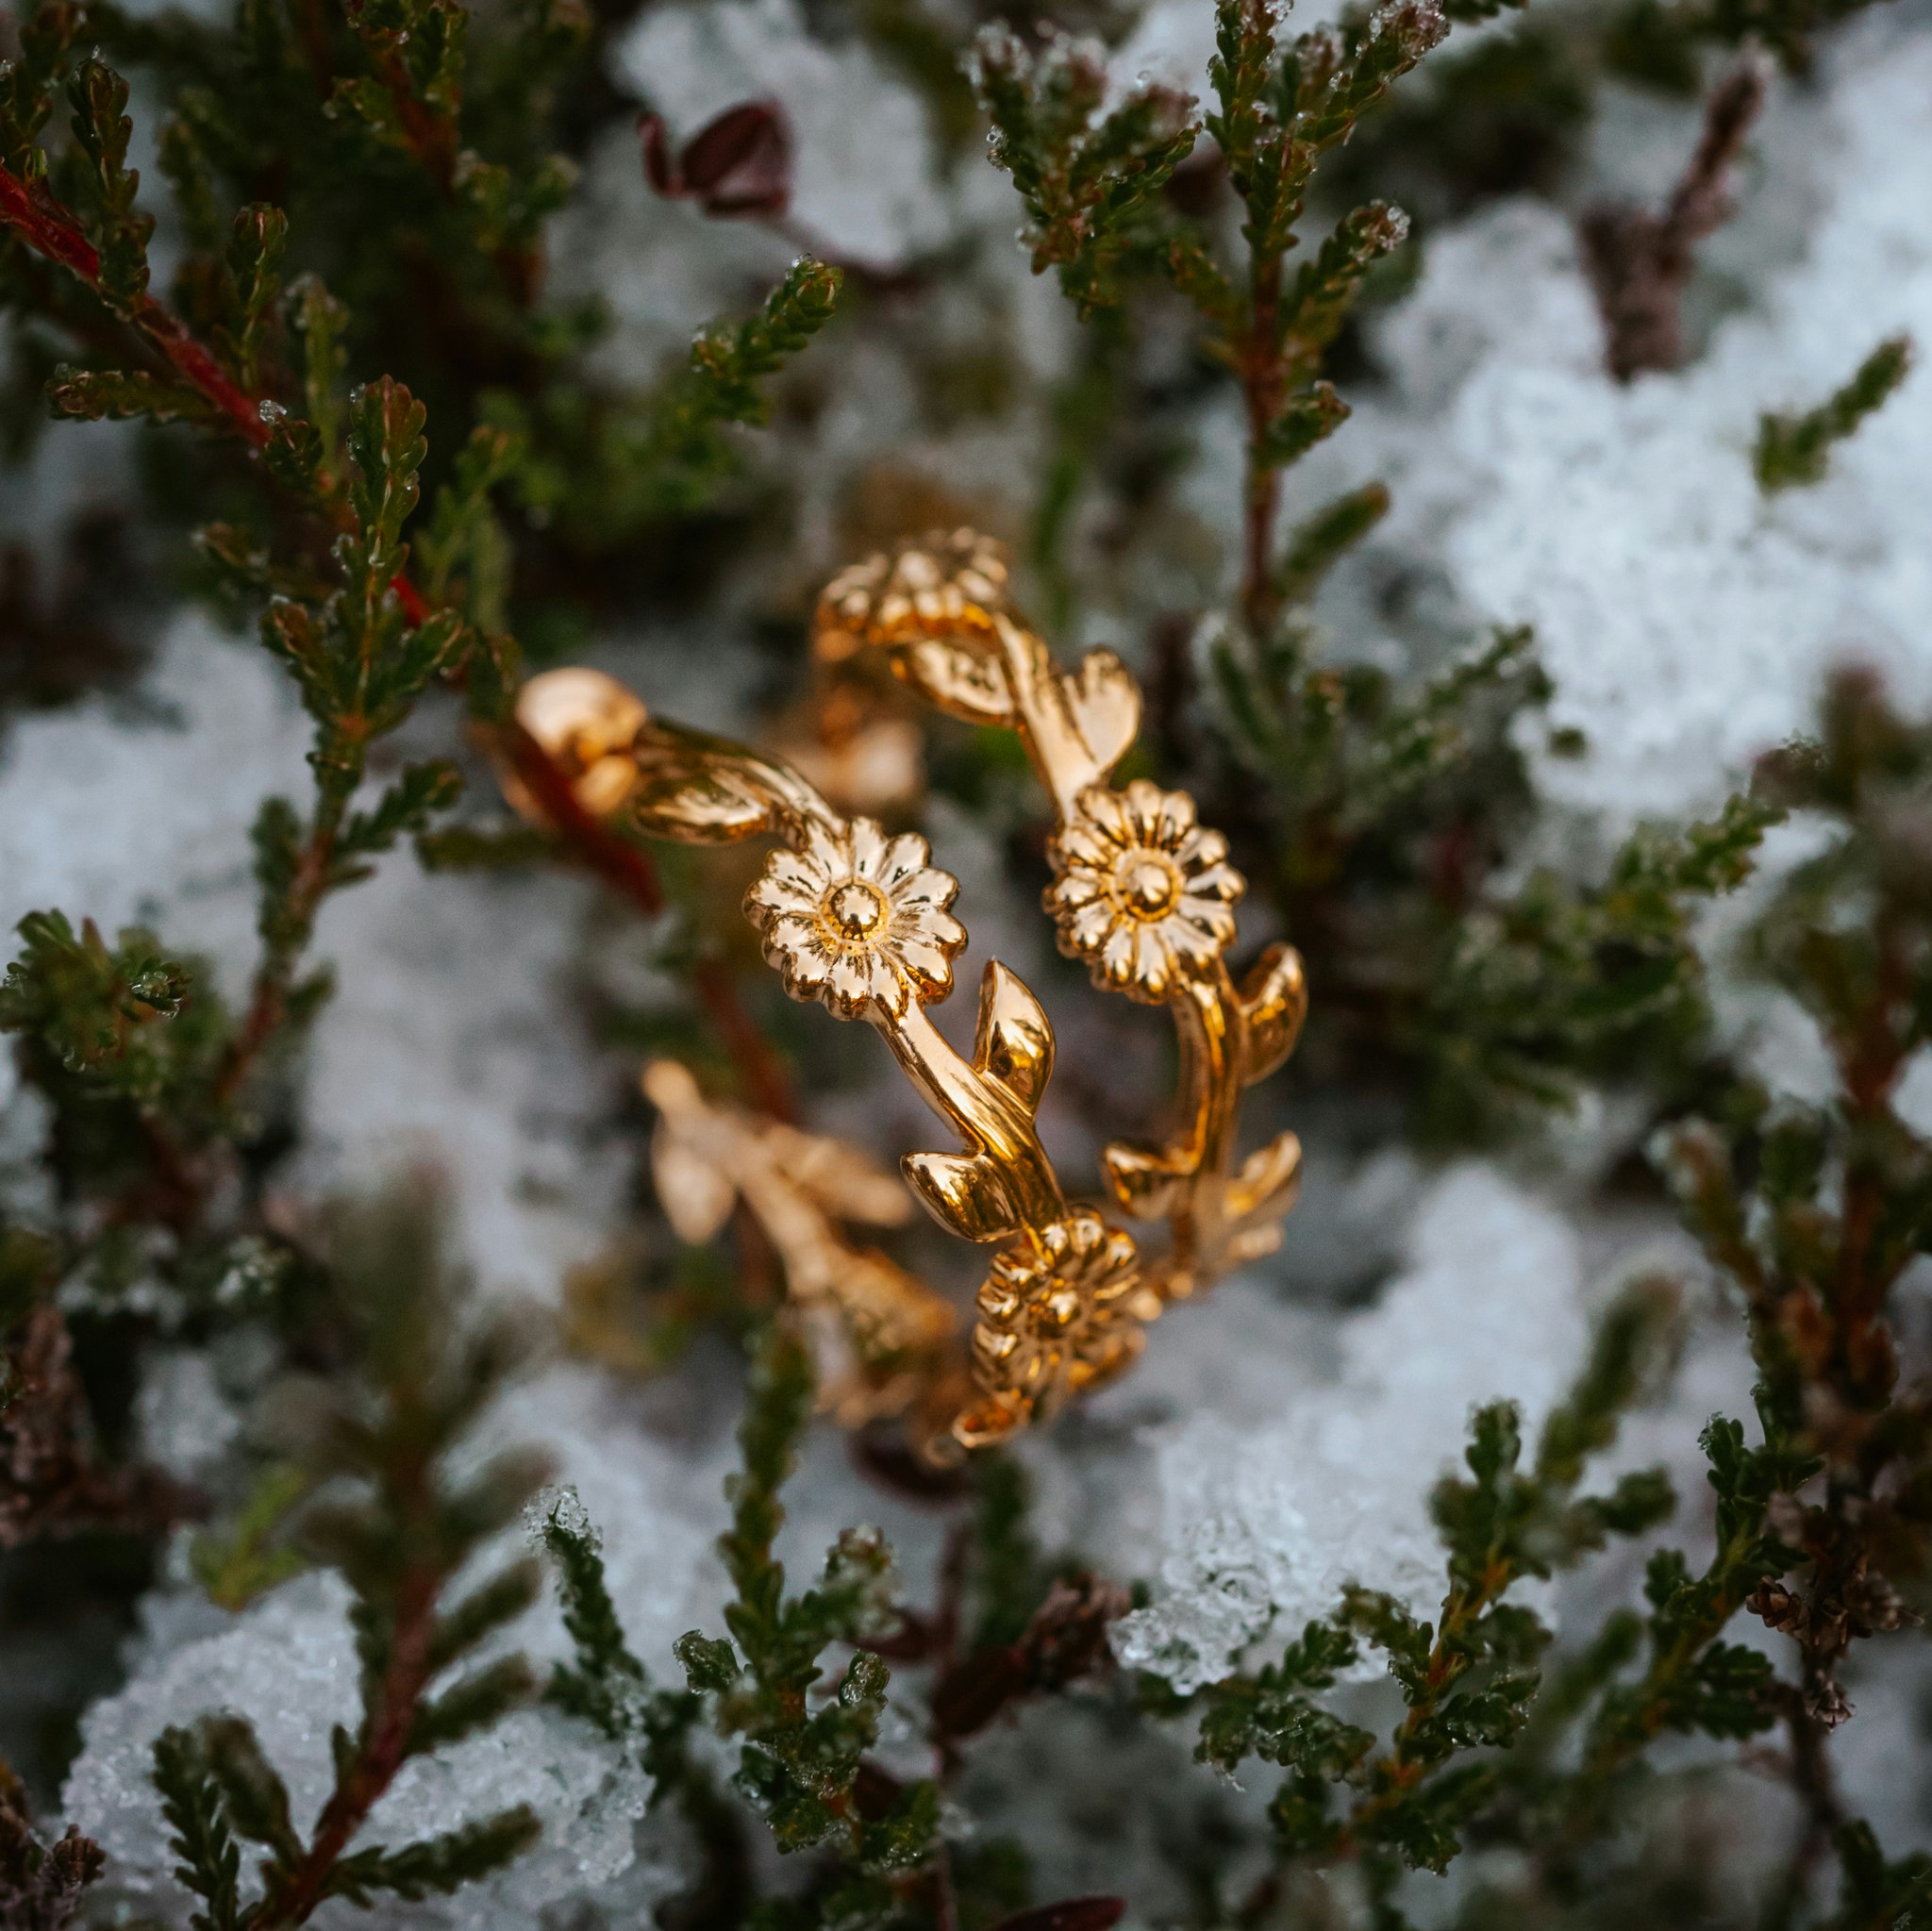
1148	886
856	910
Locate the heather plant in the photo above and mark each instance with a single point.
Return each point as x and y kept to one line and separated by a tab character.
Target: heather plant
1551	1505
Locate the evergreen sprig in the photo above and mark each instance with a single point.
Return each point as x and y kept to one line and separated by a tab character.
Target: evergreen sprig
1090	176
96	1009
799	1765
1793	450
423	1381
1815	1212
1470	1680
1558	983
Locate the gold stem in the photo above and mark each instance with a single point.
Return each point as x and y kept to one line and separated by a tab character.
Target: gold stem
987	1117
1208	1025
1054	747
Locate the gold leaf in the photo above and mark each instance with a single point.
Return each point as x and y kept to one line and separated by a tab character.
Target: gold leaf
1013	1041
963	1192
699	798
960	676
1144	1181
1104	701
1274	1002
1269	1179
837	1176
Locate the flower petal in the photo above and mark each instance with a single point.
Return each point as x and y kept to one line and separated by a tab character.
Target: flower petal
1218	881
929	963
1081	848
848	986
1089	925
1102	816
928	886
1144	801
866	847
1118	955
788	883
890	989
905	857
1209	916
806	969
935	927
824	856
1202	848
1155	972
1191	939
1176	819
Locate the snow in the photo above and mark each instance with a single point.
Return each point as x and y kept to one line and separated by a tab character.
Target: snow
128	812
862	184
288	1663
1685	619
1267	1523
447	1040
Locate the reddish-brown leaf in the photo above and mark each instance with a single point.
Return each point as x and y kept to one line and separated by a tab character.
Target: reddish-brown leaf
738	164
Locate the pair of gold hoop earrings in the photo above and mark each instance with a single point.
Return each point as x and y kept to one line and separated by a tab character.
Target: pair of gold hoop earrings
860	920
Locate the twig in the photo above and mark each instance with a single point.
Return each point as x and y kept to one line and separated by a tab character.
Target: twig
408	1675
1639	261
51	229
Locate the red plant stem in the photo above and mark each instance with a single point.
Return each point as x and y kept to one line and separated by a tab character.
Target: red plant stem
403	1682
50	227
53	230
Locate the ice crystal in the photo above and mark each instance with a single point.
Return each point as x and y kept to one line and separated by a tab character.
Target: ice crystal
289	1663
1265	1524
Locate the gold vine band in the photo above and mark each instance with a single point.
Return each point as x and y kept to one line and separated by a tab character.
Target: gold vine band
860	920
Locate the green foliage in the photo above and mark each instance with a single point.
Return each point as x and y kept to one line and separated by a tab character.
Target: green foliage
1796	449
1509	1001
1660	42
119	395
1090	180
1468	1682
1815	1213
1875	1890
102	130
798	1765
1559	982
253	1557
211	1862
606	1685
1692	1680
101	1013
27	82
399	1525
1007	1564
674	452
1266	1716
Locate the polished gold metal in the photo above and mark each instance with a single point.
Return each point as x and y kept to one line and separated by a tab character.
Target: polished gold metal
862	921
882	1340
1141	892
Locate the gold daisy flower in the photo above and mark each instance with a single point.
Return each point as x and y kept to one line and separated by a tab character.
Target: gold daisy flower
857	920
937	583
1058	1313
1141	890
